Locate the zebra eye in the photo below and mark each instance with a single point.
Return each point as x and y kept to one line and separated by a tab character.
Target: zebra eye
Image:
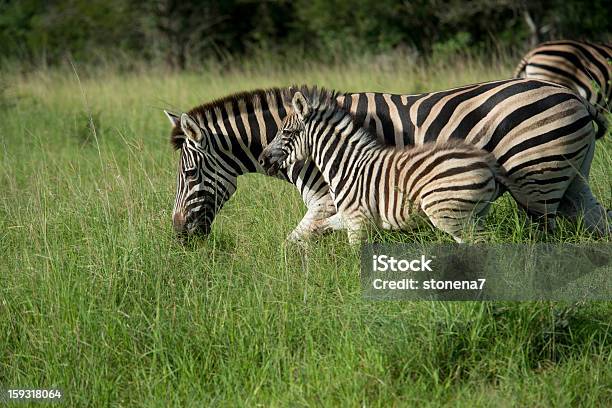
191	173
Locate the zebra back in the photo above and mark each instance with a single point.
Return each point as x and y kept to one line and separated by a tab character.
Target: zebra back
581	66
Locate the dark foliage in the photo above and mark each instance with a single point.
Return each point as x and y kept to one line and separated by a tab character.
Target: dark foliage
187	33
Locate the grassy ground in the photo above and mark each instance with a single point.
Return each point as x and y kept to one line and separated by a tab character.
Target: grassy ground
98	298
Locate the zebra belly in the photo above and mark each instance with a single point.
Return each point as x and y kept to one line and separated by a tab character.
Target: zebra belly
388	207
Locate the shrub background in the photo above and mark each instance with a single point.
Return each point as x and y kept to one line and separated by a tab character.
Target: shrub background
181	34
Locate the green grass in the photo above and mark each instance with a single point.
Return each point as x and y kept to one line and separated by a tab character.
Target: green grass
98	298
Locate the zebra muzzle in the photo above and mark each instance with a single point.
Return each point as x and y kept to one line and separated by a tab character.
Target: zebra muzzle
270	162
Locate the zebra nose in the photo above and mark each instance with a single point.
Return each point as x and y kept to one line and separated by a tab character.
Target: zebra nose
178	222
263	157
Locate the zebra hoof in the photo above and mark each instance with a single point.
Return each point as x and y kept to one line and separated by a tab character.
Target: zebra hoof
297	239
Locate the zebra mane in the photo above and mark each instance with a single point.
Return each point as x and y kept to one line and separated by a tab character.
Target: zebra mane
317	96
325	100
252	101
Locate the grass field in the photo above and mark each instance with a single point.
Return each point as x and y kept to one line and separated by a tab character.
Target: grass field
99	299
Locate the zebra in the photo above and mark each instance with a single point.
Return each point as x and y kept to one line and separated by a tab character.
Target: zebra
453	183
582	66
517	120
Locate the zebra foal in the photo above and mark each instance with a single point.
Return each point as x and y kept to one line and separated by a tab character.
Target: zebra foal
452	183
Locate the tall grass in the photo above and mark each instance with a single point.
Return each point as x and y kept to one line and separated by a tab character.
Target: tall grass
98	298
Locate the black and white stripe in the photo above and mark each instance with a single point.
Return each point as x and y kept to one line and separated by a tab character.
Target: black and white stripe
582	66
534	129
451	182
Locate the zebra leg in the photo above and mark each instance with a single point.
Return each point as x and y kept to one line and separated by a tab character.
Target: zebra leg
314	221
544	222
355	231
337	222
333	223
463	224
316	196
579	200
461	217
452	223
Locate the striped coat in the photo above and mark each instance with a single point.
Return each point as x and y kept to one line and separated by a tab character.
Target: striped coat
452	182
582	66
529	126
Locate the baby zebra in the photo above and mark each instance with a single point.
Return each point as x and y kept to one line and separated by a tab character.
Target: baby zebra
453	183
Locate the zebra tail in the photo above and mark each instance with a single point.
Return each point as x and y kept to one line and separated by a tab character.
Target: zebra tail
518	72
599	117
501	178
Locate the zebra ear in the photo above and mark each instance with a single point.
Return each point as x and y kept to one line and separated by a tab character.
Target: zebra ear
174	119
301	106
190	128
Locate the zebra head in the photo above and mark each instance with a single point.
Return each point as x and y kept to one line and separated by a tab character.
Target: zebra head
289	145
202	185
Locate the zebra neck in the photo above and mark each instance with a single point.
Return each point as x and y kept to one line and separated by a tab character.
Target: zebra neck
233	152
241	129
341	151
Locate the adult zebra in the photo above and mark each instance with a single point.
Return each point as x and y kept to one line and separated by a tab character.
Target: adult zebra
582	66
514	119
